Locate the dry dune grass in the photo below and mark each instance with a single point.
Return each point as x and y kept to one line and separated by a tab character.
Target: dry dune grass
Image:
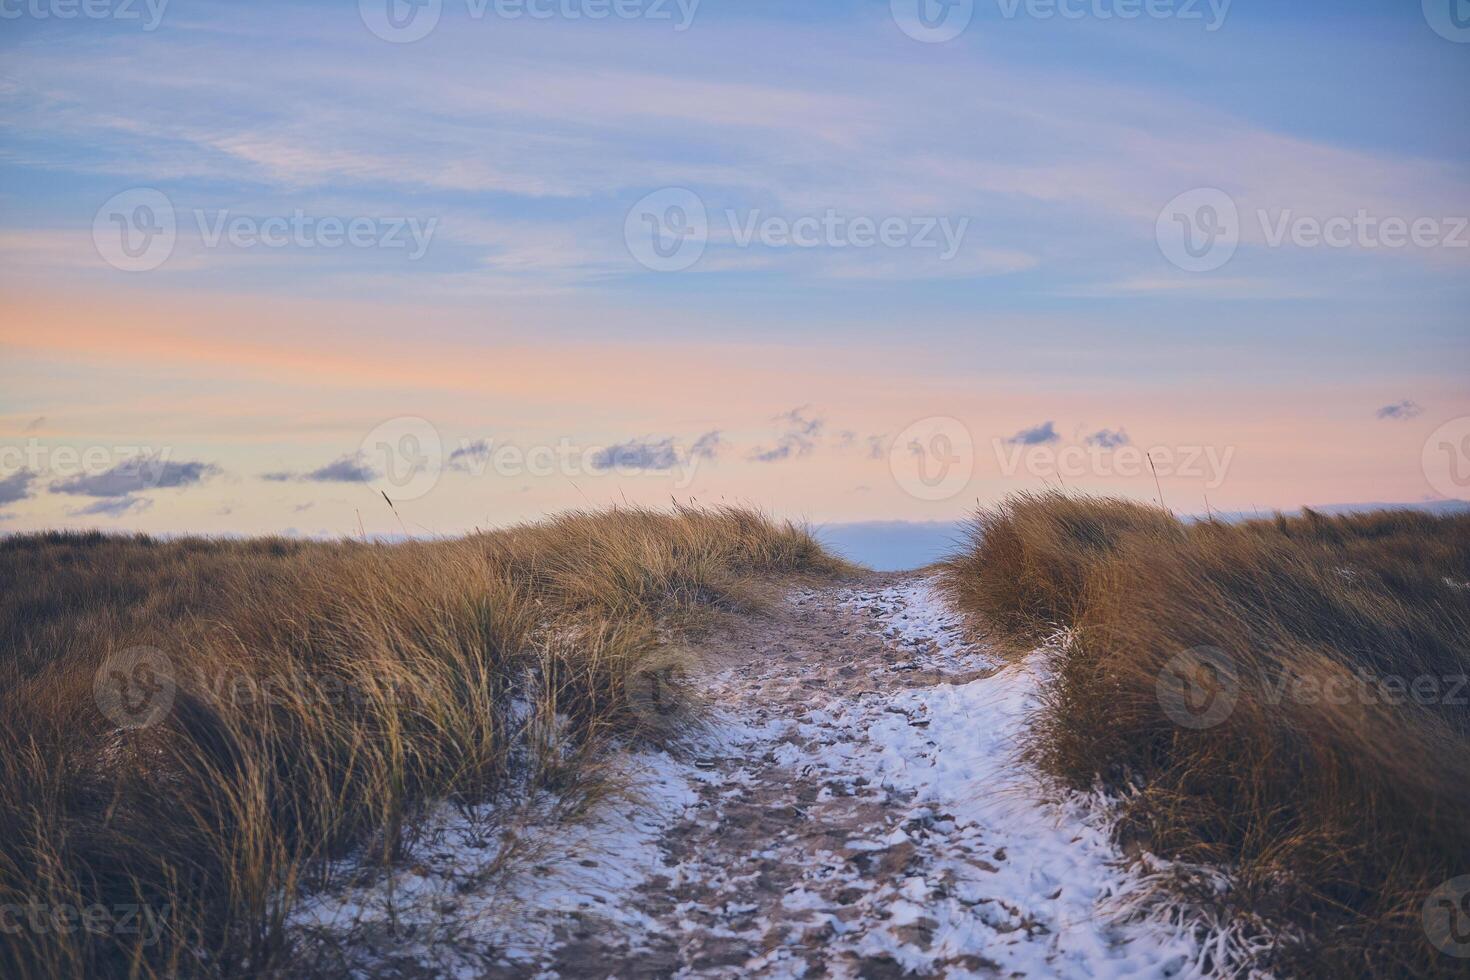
322	695
1285	697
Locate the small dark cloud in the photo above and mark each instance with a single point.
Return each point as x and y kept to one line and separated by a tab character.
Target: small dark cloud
637	454
1401	411
114	507
302	507
352	468
349	469
1108	438
782	451
800	421
707	446
799	438
16	486
1037	435
134	475
470	456
35	424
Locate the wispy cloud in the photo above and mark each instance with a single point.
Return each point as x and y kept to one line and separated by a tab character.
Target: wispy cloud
799	438
351	468
638	454
113	507
134	475
707	446
1401	411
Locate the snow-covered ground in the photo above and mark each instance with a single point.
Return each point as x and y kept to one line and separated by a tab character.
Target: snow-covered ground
865	810
486	888
1020	878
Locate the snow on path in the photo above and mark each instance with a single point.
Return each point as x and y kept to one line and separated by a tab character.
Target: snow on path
1004	879
856	809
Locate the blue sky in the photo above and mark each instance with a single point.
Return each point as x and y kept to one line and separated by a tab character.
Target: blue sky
1054	141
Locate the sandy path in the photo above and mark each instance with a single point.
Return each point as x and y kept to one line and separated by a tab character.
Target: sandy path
857	814
854	811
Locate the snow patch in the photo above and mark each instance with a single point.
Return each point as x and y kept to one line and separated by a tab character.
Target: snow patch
502	884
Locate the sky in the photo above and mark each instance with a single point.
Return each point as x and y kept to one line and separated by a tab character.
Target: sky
335	268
